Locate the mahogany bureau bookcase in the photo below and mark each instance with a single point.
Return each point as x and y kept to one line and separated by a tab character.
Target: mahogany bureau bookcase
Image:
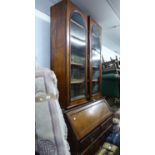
76	61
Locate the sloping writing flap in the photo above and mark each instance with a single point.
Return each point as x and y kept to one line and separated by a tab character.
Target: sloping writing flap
84	119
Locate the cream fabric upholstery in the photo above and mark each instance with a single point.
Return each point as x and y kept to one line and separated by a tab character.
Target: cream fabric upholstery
51	130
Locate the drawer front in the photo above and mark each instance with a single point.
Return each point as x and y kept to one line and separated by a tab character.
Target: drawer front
89	139
86	142
89	151
106	124
93	148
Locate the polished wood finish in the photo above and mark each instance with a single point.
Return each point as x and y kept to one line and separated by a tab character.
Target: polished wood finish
99	94
95	144
88	119
87	124
61	51
58	52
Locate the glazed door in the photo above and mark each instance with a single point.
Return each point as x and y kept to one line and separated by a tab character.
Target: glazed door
78	58
95	57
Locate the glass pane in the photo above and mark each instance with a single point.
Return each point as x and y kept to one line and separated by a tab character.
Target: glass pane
95	58
77	91
95	88
78	56
96	53
77	31
96	74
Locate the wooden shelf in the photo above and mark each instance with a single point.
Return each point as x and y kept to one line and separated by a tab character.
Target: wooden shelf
74	81
77	97
95	80
77	64
95	93
96	67
77	24
79	39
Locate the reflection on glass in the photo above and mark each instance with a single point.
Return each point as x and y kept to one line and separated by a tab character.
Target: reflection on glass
77	91
96	43
96	53
96	74
95	58
77	42
77	30
78	56
95	88
77	73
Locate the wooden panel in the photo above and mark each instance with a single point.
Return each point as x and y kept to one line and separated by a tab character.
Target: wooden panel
58	25
58	49
57	65
85	119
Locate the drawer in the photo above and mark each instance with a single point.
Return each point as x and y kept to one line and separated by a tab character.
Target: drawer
97	143
86	142
89	151
106	124
95	147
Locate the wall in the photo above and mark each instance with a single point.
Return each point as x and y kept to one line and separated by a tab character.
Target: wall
42	39
107	53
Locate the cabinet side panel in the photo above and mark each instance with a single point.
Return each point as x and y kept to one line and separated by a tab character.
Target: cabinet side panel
58	25
58	48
